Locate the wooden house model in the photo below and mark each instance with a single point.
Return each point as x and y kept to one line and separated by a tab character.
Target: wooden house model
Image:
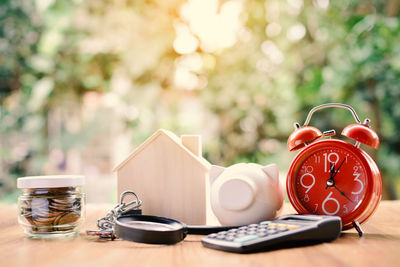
169	174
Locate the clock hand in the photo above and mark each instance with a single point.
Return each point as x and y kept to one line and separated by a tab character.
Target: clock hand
330	182
342	193
331	169
338	168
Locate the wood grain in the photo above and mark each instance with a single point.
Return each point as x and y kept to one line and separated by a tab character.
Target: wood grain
163	166
379	247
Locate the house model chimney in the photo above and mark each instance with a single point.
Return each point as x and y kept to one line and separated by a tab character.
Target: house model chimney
193	143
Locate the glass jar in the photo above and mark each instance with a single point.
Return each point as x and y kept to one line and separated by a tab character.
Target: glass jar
51	206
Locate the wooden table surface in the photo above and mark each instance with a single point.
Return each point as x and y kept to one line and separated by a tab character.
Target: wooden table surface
380	246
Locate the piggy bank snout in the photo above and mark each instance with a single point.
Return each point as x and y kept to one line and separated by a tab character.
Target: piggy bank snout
237	194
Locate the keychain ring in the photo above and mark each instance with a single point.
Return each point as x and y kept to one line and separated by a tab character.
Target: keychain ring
129	205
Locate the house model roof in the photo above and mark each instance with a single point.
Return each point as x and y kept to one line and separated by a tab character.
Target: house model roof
202	162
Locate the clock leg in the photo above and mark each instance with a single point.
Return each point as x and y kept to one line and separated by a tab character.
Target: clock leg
357	226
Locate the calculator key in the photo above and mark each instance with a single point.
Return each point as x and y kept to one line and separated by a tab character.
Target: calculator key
265	222
212	236
292	226
232	230
229	238
242	228
245	238
251	232
220	236
262	234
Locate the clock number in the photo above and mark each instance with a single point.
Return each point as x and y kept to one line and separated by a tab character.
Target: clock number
345	209
316	207
307	186
329	198
328	158
356	176
306	198
307	169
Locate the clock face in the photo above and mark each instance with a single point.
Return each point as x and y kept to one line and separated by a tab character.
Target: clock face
331	181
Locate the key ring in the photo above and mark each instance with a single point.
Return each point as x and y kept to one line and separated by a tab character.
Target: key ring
135	204
107	222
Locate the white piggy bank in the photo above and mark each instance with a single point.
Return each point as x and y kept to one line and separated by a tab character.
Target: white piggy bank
245	193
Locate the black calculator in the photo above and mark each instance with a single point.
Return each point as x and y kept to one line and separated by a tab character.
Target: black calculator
285	231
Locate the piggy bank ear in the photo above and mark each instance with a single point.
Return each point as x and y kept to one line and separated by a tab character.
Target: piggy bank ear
272	171
215	171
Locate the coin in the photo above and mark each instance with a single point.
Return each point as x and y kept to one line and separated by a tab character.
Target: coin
67	218
53	209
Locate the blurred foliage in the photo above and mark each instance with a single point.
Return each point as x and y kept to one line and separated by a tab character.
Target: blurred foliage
238	72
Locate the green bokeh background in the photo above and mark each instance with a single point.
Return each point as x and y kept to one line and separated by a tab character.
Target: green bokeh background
71	70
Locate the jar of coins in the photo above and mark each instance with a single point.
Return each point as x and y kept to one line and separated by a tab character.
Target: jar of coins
51	206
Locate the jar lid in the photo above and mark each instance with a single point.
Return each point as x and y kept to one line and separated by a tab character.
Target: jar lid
50	181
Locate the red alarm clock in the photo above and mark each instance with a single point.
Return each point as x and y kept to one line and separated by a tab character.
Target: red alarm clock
334	177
